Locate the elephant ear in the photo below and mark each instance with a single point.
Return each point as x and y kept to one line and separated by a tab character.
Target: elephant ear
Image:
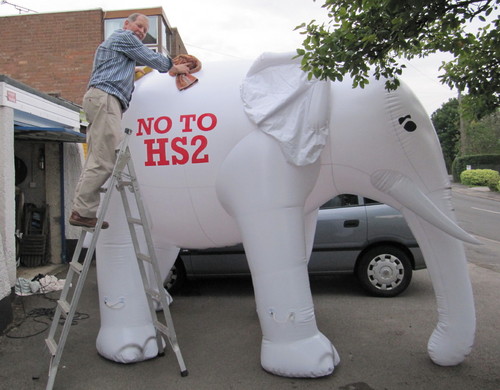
282	102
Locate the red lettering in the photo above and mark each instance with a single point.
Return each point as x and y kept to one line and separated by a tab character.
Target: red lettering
167	127
213	122
187	122
184	159
197	159
160	151
144	126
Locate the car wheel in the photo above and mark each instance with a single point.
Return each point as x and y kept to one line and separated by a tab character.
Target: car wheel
384	271
176	277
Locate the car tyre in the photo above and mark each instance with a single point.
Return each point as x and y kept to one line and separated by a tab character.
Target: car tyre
384	271
176	277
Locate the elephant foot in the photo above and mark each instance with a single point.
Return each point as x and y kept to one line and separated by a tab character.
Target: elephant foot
127	345
447	348
307	358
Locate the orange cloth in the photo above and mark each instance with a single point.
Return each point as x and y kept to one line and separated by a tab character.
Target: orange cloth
184	81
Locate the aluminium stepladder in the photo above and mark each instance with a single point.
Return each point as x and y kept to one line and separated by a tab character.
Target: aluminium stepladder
67	307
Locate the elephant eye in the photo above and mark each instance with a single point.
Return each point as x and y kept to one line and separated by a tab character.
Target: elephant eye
408	125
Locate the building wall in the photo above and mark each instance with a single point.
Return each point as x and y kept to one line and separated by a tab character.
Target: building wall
52	52
177	44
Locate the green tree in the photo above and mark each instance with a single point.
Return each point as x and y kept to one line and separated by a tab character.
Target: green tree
375	36
481	130
446	121
483	136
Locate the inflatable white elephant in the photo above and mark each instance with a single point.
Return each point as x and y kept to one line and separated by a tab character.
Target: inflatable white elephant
248	154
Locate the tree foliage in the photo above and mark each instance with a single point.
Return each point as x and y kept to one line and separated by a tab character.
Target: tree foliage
446	121
376	36
481	129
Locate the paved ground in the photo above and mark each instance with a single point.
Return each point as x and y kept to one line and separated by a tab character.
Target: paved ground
382	342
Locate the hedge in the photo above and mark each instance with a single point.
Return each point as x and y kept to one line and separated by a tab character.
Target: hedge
480	161
481	177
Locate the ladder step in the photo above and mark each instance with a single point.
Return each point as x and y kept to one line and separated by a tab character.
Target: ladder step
135	221
143	257
64	305
76	266
52	345
153	294
162	328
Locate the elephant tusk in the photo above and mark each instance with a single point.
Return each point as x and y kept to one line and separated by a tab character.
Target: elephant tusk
411	197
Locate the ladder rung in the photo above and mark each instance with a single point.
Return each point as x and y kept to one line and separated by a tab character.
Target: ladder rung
162	328
52	345
136	221
143	257
152	293
76	266
123	183
64	305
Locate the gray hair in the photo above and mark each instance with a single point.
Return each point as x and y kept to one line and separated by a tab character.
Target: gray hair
133	17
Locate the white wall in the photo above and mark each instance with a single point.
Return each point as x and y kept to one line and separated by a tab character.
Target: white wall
7	202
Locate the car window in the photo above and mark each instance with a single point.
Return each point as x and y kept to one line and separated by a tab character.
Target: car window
368	201
344	200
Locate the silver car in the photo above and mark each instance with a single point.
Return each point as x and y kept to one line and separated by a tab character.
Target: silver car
353	235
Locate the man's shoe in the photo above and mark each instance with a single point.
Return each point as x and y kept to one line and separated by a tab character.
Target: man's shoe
77	220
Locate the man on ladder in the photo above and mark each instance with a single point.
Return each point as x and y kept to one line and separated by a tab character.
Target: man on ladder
110	90
123	177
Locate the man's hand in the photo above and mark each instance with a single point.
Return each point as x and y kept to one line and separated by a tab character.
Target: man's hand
179	69
141	71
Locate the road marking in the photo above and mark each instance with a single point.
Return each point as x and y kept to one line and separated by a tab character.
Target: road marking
488	211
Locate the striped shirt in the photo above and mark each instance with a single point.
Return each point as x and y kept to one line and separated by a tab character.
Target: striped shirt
115	61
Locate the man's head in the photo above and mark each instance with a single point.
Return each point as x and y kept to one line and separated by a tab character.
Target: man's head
138	24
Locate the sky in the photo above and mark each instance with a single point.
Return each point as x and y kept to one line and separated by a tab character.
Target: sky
224	30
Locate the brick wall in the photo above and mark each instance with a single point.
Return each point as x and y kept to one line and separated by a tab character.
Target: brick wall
52	53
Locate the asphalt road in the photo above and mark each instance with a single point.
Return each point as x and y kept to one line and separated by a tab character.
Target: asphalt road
478	216
381	342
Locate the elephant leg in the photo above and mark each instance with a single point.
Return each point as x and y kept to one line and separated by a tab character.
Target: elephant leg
292	345
453	337
166	257
310	229
266	196
127	333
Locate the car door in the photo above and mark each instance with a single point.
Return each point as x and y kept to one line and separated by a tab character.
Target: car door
341	233
216	261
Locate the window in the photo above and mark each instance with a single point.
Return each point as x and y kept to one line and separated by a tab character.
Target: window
111	25
152	35
344	200
165	38
369	201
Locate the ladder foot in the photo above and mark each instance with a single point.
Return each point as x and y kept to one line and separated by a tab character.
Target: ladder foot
184	373
160	354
